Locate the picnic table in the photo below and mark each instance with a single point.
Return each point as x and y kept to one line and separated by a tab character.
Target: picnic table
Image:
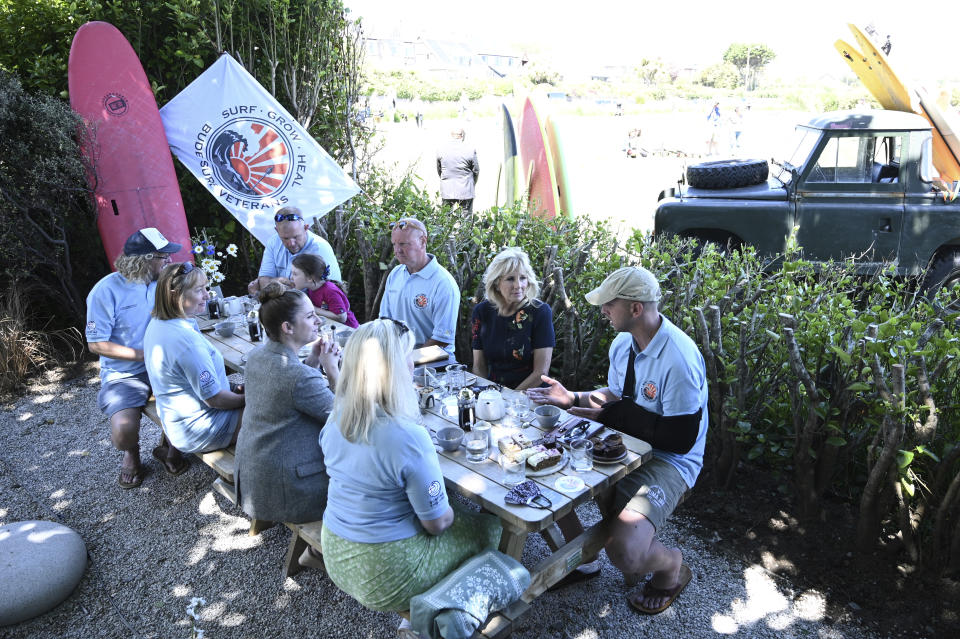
482	484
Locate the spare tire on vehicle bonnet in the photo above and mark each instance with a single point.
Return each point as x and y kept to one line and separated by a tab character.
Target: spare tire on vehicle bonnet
727	174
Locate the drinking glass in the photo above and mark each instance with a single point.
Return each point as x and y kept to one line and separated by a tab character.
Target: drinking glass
514	471
476	442
450	405
456	377
518	409
581	455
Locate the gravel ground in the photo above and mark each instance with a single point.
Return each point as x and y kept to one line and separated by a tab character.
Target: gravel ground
153	548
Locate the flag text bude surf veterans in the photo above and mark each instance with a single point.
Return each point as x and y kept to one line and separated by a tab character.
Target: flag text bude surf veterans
251	154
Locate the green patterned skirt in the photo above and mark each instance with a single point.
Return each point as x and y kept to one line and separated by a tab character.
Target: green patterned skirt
386	576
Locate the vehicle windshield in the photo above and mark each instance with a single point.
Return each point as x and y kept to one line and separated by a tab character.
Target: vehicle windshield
796	152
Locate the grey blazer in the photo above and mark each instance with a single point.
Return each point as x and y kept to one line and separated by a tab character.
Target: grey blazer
458	169
280	475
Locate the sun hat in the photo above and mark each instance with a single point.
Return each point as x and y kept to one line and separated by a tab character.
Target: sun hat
149	240
629	283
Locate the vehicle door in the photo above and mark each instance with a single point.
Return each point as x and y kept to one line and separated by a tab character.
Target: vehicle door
850	198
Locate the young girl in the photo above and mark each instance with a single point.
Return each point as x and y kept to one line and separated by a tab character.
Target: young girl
310	272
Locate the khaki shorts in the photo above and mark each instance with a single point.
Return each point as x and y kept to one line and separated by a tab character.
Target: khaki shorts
653	490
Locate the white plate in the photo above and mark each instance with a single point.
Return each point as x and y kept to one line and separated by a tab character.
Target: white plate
569	484
550	469
609	460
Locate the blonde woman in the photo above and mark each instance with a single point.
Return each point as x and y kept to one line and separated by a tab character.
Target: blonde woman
198	410
511	330
388	530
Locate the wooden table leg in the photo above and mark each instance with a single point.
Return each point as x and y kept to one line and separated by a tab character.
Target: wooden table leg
291	564
512	540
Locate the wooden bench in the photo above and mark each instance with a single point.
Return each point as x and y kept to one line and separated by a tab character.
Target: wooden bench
223	463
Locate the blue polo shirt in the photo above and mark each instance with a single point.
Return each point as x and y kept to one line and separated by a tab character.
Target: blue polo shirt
671	379
277	260
428	301
184	370
118	311
379	490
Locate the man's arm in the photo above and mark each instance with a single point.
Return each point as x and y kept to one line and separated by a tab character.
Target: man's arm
116	351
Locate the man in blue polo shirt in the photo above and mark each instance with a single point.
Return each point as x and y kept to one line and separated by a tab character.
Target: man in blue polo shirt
419	291
656	391
118	310
293	238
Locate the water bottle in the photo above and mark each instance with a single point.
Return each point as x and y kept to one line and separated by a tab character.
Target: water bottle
213	306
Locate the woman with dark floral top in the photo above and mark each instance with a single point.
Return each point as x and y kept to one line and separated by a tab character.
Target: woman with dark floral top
511	330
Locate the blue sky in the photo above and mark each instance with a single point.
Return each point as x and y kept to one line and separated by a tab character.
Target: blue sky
599	32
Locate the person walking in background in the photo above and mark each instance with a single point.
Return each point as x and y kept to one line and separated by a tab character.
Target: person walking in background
118	310
459	170
713	129
736	128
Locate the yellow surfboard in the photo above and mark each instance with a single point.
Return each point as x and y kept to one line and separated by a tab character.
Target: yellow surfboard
873	69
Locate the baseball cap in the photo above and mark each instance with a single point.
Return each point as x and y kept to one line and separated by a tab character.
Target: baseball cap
149	240
630	283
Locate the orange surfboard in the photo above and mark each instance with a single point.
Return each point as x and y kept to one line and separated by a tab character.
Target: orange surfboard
536	164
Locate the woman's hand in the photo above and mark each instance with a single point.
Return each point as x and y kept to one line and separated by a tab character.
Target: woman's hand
554	393
326	354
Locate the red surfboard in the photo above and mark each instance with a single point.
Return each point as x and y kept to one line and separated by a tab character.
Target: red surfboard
136	186
536	164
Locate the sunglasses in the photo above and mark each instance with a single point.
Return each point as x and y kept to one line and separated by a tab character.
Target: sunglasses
402	224
402	327
160	256
183	269
287	217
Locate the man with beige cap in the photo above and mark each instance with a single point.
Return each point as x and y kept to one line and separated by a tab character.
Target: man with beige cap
656	391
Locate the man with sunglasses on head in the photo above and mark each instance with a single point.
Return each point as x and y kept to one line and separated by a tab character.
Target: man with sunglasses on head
419	291
118	310
293	238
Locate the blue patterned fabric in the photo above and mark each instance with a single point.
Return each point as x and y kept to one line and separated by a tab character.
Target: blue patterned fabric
462	601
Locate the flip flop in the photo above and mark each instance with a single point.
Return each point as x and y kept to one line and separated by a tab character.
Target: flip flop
671	593
133	483
160	454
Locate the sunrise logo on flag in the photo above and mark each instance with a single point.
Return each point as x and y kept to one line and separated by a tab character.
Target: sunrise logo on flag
249	152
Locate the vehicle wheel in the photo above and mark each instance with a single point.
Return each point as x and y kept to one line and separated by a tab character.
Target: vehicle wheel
944	272
727	174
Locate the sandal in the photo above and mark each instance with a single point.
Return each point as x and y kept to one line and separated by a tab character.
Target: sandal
160	454
671	593
136	478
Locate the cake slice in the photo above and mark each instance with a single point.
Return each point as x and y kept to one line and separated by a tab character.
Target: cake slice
544	459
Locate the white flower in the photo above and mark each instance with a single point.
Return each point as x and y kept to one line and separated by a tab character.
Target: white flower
232	250
198	249
208	265
218	277
219	253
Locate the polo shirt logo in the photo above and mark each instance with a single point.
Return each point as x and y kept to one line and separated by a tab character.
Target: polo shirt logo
91	325
420	300
205	377
649	390
434	488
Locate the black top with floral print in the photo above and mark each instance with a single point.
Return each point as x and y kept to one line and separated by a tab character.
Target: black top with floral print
508	342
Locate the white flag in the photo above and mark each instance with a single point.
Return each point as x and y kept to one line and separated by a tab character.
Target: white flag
251	154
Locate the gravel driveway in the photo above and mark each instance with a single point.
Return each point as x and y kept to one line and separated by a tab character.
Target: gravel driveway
154	547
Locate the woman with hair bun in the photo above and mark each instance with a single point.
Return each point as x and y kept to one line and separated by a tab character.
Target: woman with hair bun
280	471
198	410
511	330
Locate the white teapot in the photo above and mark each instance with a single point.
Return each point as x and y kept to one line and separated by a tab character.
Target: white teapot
490	405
